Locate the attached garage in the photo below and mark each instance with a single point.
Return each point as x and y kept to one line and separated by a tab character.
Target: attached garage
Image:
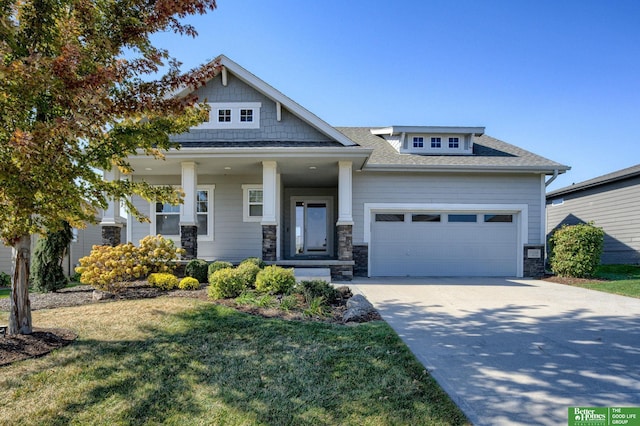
444	243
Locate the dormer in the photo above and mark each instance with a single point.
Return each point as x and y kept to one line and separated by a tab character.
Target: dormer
430	140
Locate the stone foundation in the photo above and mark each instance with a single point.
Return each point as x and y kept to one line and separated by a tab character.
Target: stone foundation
111	235
269	242
533	260
341	272
361	258
345	242
189	241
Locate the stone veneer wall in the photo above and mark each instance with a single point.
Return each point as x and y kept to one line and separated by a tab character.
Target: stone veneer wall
111	235
361	258
269	242
189	241
533	260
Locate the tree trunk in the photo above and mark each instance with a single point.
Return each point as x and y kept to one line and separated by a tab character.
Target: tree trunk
20	306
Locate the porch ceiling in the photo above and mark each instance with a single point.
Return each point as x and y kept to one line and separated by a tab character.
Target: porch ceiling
295	171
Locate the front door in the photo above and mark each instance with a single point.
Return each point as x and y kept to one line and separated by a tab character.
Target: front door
311	219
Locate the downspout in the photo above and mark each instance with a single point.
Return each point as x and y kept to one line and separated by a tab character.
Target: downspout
552	178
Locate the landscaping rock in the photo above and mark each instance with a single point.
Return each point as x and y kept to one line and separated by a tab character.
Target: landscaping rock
102	295
344	291
359	309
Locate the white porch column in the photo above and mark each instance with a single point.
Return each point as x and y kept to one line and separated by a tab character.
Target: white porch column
345	200
190	187
111	215
269	192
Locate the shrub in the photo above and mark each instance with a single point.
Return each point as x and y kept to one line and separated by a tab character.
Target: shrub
189	283
75	277
163	280
255	261
198	269
249	271
46	265
311	290
5	279
276	280
289	302
217	265
575	250
111	268
226	283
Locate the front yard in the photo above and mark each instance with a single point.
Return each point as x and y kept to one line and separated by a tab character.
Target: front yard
186	361
617	279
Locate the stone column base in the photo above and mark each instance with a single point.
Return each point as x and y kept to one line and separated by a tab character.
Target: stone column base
269	242
361	259
533	260
111	235
189	241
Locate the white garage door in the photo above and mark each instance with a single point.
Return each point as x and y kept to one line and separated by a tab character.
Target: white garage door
443	244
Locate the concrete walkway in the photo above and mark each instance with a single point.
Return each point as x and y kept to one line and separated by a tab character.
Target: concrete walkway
513	351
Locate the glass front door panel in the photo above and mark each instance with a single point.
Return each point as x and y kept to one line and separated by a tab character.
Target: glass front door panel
299	228
316	235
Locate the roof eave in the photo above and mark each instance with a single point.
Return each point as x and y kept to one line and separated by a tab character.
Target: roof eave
547	170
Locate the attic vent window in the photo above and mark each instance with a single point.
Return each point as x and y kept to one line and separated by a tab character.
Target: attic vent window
418	142
233	115
436	142
454	142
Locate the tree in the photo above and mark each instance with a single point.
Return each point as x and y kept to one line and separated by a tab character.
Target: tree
82	87
47	273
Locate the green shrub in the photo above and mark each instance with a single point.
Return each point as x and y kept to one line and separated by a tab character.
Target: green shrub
249	271
75	277
575	250
254	260
226	283
275	280
311	290
317	308
163	280
46	264
217	265
5	279
189	283
198	269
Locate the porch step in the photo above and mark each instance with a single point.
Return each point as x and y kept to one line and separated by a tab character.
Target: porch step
310	274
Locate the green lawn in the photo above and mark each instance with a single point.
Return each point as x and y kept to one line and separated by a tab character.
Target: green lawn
189	362
621	279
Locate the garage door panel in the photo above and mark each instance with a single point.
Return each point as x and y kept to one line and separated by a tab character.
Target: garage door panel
443	248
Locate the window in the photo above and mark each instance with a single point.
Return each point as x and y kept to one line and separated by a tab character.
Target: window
418	142
224	116
454	142
166	220
504	218
425	218
436	142
252	202
246	115
462	218
390	217
233	115
557	201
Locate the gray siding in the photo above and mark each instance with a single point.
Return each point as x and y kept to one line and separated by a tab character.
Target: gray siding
614	207
233	239
290	128
450	189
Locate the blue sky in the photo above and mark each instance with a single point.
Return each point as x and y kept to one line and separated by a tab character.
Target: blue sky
559	78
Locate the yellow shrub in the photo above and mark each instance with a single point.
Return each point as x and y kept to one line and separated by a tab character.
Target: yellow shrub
163	280
189	283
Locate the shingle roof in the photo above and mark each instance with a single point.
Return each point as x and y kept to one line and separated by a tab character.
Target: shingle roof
488	153
259	144
627	173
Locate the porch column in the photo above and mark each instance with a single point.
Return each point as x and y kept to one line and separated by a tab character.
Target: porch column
344	226
188	222
269	218
111	223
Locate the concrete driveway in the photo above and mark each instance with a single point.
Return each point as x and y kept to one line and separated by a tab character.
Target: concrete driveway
513	351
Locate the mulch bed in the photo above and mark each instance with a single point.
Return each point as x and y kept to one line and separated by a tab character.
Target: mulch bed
572	281
39	343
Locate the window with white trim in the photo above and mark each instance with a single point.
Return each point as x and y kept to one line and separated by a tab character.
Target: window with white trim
232	115
252	204
436	142
418	142
166	218
454	142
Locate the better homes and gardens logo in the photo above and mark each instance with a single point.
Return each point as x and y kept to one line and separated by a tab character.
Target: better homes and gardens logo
604	416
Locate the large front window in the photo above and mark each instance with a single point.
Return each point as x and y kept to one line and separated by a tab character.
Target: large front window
167	217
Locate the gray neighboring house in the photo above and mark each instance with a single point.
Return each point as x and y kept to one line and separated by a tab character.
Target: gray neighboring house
612	202
265	177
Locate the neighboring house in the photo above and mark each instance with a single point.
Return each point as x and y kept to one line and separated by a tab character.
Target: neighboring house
611	202
266	177
83	240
